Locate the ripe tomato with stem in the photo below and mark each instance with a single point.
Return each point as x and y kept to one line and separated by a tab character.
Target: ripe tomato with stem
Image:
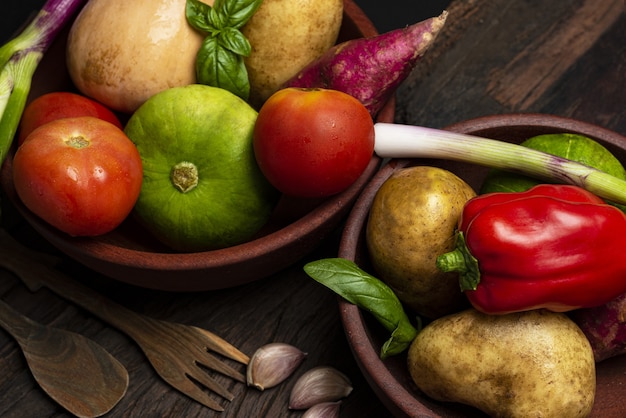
81	175
313	143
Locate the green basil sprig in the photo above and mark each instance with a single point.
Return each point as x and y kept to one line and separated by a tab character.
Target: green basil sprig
220	60
369	293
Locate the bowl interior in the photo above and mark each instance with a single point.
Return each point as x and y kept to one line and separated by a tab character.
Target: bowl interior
131	255
390	378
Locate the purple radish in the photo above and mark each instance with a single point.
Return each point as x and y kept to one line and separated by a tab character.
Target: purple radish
605	327
371	69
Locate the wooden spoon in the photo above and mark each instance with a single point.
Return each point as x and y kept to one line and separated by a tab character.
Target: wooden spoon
75	371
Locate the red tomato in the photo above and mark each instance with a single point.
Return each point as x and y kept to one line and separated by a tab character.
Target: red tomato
313	142
61	104
82	175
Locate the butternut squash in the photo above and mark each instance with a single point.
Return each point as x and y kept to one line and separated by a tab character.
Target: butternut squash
122	52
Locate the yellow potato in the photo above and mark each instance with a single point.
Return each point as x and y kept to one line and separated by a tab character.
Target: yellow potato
412	221
286	35
530	364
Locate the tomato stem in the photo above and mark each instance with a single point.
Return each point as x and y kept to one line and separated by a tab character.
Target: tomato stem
77	142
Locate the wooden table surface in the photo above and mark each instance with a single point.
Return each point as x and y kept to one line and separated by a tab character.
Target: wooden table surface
566	57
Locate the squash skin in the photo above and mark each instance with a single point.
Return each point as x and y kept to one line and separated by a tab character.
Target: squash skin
122	52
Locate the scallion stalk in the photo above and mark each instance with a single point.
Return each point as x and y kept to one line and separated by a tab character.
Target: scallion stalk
408	141
19	58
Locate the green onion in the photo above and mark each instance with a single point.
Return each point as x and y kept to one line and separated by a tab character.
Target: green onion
407	141
19	58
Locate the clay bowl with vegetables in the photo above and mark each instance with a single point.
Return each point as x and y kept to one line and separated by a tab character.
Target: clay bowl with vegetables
129	254
390	378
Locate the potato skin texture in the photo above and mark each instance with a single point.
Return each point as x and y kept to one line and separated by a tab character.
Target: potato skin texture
530	364
412	220
286	35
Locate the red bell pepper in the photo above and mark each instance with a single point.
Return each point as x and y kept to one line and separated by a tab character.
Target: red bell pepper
554	246
557	191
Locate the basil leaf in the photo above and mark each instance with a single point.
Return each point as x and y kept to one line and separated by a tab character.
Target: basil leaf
216	20
239	11
196	13
236	78
220	60
217	66
233	40
369	293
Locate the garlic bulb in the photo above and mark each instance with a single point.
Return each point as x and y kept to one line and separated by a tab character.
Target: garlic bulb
272	363
318	385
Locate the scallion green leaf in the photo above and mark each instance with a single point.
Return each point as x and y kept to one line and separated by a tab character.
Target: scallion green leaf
408	141
19	58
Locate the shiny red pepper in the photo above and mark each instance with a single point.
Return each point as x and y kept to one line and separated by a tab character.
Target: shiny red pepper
556	247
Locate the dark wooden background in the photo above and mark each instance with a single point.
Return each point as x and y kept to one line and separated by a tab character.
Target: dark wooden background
566	57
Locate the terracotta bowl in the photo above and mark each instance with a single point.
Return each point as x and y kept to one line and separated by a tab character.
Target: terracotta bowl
390	378
128	254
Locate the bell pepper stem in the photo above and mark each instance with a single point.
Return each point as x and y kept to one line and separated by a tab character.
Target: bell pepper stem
460	260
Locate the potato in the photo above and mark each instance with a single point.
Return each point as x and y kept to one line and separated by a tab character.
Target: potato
286	35
530	364
412	221
122	52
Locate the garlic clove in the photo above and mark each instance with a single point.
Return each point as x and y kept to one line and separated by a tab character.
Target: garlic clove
318	385
323	410
272	363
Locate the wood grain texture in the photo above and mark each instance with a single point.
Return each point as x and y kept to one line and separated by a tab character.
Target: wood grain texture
542	63
564	58
288	307
462	76
178	352
76	372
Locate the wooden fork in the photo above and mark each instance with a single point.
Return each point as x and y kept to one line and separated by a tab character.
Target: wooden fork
176	351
